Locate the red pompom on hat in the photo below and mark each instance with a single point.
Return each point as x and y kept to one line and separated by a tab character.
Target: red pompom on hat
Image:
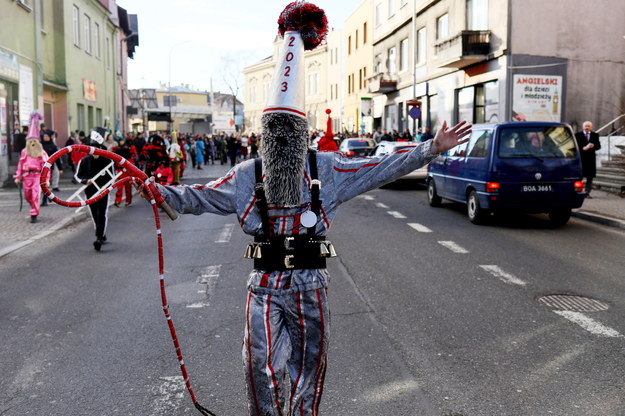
307	19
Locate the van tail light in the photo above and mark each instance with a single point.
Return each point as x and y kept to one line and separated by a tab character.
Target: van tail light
492	187
350	153
579	186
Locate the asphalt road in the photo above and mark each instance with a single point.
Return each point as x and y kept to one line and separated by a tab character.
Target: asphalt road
431	315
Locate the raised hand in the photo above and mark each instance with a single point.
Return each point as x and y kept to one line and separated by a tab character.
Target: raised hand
447	138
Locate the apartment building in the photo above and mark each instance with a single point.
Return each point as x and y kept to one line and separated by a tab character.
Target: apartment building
489	61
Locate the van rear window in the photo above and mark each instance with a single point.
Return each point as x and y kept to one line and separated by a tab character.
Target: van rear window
541	142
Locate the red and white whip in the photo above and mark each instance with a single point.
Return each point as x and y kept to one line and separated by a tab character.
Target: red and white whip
156	200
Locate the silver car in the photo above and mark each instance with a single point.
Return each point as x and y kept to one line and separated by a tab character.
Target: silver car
385	147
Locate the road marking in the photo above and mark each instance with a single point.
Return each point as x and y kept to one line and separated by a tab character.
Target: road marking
381	205
208	277
589	324
226	233
396	214
502	275
419	227
169	395
453	247
367	197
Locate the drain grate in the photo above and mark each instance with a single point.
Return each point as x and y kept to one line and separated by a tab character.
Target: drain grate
573	303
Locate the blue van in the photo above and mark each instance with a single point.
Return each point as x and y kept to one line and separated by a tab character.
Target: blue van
531	167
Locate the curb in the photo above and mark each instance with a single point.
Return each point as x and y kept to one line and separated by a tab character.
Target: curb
72	219
599	219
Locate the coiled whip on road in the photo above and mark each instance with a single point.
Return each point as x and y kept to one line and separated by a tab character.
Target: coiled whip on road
134	174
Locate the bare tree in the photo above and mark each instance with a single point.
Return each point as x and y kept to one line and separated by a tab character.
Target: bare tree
232	77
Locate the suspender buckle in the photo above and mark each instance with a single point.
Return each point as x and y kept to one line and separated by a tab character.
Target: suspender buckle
315	182
287	261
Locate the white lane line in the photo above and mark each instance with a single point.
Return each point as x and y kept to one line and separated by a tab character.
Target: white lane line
381	205
502	275
226	233
419	227
589	324
453	247
396	214
367	197
208	277
169	395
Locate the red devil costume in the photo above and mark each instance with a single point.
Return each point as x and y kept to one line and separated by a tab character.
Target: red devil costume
128	152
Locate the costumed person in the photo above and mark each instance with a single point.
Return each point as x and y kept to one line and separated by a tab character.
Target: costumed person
164	175
199	151
327	143
175	158
154	154
50	148
88	168
32	160
128	152
286	200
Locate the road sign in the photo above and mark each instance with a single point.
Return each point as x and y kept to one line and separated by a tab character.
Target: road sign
415	113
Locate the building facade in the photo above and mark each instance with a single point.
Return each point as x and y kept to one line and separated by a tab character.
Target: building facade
358	41
64	59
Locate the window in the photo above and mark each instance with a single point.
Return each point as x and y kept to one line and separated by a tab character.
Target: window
378	64
477	14
532	142
421	45
107	48
391	8
364	75
364	33
464	97
98	117
442	27
80	117
356	40
491	102
87	29
478	143
349	45
360	78
392	60
75	22
378	14
96	40
403	54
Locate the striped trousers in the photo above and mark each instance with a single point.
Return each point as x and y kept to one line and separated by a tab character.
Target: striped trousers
285	352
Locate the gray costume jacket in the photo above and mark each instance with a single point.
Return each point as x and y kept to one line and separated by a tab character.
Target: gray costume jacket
342	178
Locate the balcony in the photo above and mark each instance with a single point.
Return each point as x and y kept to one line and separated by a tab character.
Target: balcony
381	83
464	49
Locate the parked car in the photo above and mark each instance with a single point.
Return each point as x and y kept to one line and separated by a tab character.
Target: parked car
356	147
527	166
385	147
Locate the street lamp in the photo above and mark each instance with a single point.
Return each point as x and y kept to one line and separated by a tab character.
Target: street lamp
170	124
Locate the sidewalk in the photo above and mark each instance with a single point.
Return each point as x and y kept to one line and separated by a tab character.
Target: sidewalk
16	231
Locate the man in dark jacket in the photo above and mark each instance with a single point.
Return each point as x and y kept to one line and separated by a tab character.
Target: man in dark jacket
88	168
588	143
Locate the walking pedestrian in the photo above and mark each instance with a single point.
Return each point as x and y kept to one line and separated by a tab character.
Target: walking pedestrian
57	168
29	167
199	152
588	143
88	173
128	152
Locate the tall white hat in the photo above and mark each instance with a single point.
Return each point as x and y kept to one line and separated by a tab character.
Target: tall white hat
303	26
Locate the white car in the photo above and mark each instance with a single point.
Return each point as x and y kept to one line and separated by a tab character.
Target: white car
385	147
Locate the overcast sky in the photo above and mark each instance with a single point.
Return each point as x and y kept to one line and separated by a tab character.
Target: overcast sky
200	35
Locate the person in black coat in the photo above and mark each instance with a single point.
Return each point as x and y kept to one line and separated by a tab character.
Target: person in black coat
588	143
88	167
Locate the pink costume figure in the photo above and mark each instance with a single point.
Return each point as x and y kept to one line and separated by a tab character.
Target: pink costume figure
32	160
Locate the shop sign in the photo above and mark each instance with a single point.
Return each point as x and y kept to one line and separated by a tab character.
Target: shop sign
537	98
